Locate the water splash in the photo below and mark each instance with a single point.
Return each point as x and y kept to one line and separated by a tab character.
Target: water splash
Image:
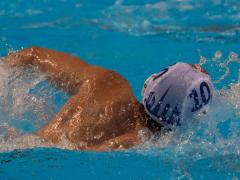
11	139
221	67
27	103
205	137
210	139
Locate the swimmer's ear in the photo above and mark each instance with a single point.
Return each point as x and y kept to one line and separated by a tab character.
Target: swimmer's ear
198	67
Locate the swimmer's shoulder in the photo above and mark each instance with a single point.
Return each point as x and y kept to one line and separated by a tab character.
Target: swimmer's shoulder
106	78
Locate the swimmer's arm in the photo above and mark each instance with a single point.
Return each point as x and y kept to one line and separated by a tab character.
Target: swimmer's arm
63	69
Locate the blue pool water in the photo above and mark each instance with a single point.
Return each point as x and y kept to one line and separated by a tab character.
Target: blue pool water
135	38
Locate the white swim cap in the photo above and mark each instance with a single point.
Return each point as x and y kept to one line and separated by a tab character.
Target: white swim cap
176	93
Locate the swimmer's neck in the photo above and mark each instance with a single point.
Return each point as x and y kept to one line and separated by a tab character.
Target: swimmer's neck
147	121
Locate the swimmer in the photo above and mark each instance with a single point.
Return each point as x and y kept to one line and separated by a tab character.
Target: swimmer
102	113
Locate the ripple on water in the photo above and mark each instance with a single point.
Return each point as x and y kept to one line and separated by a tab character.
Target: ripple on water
182	20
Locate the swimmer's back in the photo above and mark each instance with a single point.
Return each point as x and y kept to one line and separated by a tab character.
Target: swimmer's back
103	109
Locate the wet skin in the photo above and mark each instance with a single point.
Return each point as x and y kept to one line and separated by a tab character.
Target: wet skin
102	113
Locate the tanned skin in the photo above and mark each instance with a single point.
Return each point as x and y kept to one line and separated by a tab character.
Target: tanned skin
102	113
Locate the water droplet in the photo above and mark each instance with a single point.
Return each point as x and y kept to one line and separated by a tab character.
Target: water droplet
233	56
202	60
217	55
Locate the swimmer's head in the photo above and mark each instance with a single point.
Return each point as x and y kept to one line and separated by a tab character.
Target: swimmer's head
176	93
